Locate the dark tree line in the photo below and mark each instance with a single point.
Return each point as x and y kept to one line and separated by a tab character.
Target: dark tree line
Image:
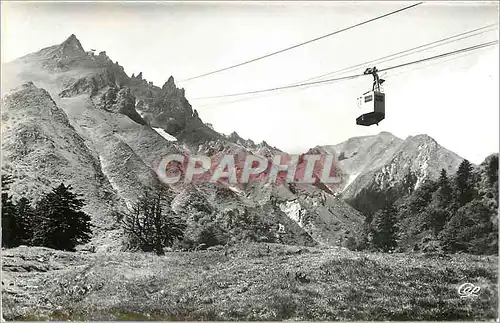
56	221
452	214
150	224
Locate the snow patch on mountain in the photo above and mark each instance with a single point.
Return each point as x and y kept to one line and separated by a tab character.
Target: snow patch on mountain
351	179
421	176
165	135
293	210
235	189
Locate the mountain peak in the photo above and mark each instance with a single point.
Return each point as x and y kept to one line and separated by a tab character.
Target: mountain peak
72	47
73	42
72	37
264	144
169	84
385	134
422	138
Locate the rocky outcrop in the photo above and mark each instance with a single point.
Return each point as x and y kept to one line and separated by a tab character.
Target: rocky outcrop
90	85
121	101
167	108
234	137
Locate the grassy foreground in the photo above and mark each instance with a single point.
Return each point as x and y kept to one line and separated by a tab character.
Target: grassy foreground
245	282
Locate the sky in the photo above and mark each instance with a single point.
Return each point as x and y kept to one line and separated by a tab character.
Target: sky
454	100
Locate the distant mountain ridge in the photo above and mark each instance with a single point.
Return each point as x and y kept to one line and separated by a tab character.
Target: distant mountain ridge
377	163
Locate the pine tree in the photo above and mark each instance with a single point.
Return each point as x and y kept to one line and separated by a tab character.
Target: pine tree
437	219
10	226
464	185
366	232
492	175
62	225
492	170
25	218
437	213
422	197
408	184
151	224
385	228
445	191
469	230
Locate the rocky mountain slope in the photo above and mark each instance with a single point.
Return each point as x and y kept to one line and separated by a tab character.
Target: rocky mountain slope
41	149
111	132
361	155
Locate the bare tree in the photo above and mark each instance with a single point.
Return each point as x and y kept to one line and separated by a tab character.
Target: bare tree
151	224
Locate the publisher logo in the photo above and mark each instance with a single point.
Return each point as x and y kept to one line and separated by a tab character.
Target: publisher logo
468	290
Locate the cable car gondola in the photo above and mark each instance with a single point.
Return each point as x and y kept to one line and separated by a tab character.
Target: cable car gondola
372	103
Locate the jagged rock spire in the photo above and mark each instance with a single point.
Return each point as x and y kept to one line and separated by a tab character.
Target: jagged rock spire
169	84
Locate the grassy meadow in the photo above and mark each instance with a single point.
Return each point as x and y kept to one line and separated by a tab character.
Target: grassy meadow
264	282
